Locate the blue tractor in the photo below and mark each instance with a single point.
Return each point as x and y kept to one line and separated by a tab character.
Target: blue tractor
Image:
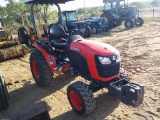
72	25
117	11
97	23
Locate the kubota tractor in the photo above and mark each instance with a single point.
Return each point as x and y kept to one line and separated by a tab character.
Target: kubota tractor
9	48
95	61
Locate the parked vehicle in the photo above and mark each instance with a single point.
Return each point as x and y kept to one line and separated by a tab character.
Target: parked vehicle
97	23
94	61
117	11
9	47
26	34
73	26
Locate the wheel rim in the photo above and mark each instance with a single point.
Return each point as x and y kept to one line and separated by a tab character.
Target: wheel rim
128	24
35	69
138	22
94	30
75	100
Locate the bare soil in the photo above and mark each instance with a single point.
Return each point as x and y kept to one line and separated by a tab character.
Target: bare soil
140	54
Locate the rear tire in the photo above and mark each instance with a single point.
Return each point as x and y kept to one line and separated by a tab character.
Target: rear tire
139	22
40	70
88	32
23	36
109	18
80	98
3	93
129	23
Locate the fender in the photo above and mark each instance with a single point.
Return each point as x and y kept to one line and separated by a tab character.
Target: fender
50	59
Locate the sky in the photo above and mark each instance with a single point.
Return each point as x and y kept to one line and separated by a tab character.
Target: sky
80	3
89	3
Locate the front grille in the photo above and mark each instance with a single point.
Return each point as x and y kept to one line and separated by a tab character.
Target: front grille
81	25
107	71
3	34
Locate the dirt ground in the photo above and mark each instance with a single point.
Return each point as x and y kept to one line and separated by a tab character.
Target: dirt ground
140	53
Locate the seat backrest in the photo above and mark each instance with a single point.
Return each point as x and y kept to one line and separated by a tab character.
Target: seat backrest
56	31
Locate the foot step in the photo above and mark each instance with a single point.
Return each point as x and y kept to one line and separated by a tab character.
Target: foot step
58	67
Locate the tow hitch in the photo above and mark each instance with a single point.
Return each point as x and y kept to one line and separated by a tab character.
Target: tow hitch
129	93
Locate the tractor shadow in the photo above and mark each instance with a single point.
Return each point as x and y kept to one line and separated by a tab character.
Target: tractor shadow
29	94
105	105
102	34
117	30
110	33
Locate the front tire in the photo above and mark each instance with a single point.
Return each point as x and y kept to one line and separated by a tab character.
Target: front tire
80	98
40	70
129	23
4	100
139	22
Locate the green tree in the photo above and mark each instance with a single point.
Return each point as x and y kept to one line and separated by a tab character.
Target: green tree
140	5
155	3
11	12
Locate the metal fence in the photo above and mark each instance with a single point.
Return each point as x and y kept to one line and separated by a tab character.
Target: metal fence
149	12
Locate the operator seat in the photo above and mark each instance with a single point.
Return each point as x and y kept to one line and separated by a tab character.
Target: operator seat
56	36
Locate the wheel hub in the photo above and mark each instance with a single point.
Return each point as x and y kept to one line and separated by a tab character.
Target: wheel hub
94	30
35	69
137	21
128	24
76	102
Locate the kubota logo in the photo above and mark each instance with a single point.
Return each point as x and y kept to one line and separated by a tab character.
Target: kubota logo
74	49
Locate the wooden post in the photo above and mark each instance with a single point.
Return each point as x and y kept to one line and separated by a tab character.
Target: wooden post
153	12
84	9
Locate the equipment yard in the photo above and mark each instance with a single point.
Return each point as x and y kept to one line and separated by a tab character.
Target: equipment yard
140	57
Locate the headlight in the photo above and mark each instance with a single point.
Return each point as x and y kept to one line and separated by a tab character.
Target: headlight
104	60
118	58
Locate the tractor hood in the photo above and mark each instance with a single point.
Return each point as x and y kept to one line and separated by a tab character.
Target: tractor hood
133	12
79	22
93	47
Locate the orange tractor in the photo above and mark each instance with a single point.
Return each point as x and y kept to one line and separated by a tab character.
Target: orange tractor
97	62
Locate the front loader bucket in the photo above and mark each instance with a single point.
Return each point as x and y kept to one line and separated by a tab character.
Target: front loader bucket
39	111
14	51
